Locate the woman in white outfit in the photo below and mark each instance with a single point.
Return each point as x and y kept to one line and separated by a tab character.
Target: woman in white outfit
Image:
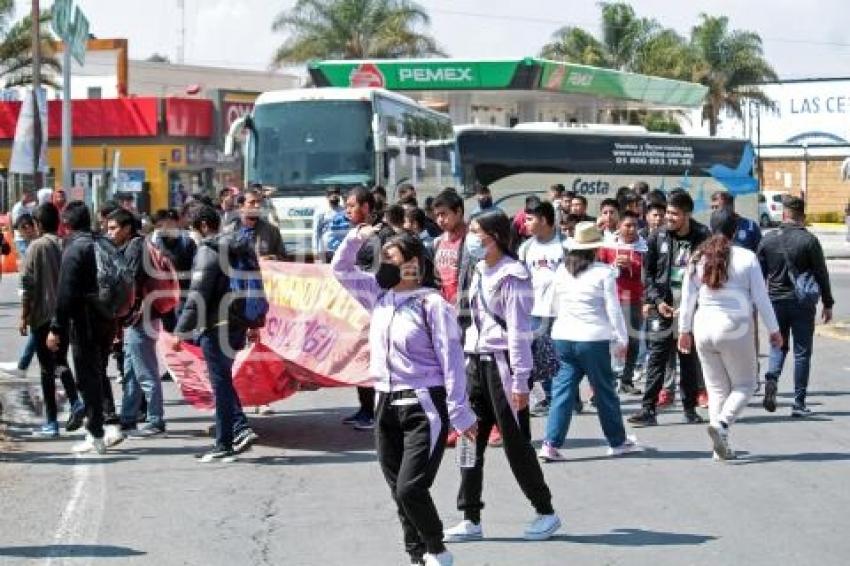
726	281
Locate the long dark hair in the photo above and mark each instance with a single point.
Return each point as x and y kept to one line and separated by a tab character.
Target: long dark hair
497	225
715	252
578	261
411	247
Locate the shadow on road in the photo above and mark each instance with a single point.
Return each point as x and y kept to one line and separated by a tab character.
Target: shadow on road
69	551
626	537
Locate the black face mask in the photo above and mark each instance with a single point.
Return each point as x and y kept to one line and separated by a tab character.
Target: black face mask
485	203
388	275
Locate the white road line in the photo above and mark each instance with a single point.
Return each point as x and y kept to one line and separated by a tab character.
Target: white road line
80	521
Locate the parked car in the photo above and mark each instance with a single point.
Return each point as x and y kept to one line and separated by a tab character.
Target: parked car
770	208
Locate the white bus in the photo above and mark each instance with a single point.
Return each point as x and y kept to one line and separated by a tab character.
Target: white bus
596	160
300	142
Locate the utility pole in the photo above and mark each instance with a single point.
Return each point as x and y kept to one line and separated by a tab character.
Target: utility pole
181	47
36	87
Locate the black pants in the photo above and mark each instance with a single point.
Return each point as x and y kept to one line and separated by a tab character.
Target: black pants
489	401
634	322
87	347
661	344
108	344
404	437
53	365
366	397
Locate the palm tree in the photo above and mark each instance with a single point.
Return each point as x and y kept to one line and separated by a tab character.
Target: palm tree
16	49
575	45
353	29
624	34
728	63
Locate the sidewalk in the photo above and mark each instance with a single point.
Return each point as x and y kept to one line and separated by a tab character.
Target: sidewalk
833	239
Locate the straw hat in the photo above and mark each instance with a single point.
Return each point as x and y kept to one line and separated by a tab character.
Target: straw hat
587	236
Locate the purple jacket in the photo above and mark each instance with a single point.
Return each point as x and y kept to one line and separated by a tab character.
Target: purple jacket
510	296
414	337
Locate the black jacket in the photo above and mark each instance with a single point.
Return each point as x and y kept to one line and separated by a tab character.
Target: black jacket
369	256
267	239
805	253
659	259
209	285
77	282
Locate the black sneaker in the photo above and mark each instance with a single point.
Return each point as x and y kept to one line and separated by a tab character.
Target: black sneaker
801	412
769	401
353	419
692	417
244	439
75	418
541	408
217	454
578	408
365	422
645	417
128	427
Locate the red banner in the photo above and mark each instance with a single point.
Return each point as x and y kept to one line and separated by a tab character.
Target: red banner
316	335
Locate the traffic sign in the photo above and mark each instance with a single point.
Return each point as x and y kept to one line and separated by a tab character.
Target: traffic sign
74	31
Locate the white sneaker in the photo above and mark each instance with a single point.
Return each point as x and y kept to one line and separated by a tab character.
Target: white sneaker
549	453
719	440
627	447
542	527
112	435
90	444
13	369
464	531
445	558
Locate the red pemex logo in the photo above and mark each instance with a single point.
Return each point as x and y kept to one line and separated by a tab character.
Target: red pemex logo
366	75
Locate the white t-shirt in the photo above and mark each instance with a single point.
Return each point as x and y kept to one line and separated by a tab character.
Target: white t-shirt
542	260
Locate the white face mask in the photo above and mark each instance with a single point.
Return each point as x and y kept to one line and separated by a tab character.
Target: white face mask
475	247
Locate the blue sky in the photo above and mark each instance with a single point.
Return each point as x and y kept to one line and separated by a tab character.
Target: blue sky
802	39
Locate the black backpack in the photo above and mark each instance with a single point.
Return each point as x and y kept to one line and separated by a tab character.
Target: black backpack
116	284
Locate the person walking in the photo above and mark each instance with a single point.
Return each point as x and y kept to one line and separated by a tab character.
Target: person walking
251	224
668	253
76	322
417	363
330	225
141	328
792	261
498	358
625	254
39	281
218	336
726	280
588	320
542	254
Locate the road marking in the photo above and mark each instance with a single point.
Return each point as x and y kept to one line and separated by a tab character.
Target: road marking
80	521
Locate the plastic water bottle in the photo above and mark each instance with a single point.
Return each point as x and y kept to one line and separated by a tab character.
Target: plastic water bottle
465	452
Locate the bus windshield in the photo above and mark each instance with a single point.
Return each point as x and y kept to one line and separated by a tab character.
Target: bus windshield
301	144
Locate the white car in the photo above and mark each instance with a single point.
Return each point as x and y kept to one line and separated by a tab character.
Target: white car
770	208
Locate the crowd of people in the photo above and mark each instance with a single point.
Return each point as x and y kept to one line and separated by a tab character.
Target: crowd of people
479	321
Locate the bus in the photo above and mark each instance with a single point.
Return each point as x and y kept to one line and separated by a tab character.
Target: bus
595	160
300	142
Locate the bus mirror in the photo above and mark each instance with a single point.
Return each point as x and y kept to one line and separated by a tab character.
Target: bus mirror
236	129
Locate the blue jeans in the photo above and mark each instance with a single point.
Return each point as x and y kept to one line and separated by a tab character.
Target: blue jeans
797	321
141	376
594	360
229	417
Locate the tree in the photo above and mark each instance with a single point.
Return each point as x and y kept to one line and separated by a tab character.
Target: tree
16	49
728	63
353	29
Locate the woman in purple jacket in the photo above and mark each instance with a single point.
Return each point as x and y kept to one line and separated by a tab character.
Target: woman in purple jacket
417	362
498	355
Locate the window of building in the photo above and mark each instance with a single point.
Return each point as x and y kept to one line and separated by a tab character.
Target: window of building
95	92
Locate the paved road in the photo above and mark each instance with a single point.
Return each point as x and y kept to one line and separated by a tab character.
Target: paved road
311	492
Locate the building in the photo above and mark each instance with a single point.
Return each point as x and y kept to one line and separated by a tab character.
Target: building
153	129
803	142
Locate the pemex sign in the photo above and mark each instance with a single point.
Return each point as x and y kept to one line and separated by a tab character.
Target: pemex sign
72	26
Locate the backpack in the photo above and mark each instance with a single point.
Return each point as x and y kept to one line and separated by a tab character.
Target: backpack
115	282
162	279
249	306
